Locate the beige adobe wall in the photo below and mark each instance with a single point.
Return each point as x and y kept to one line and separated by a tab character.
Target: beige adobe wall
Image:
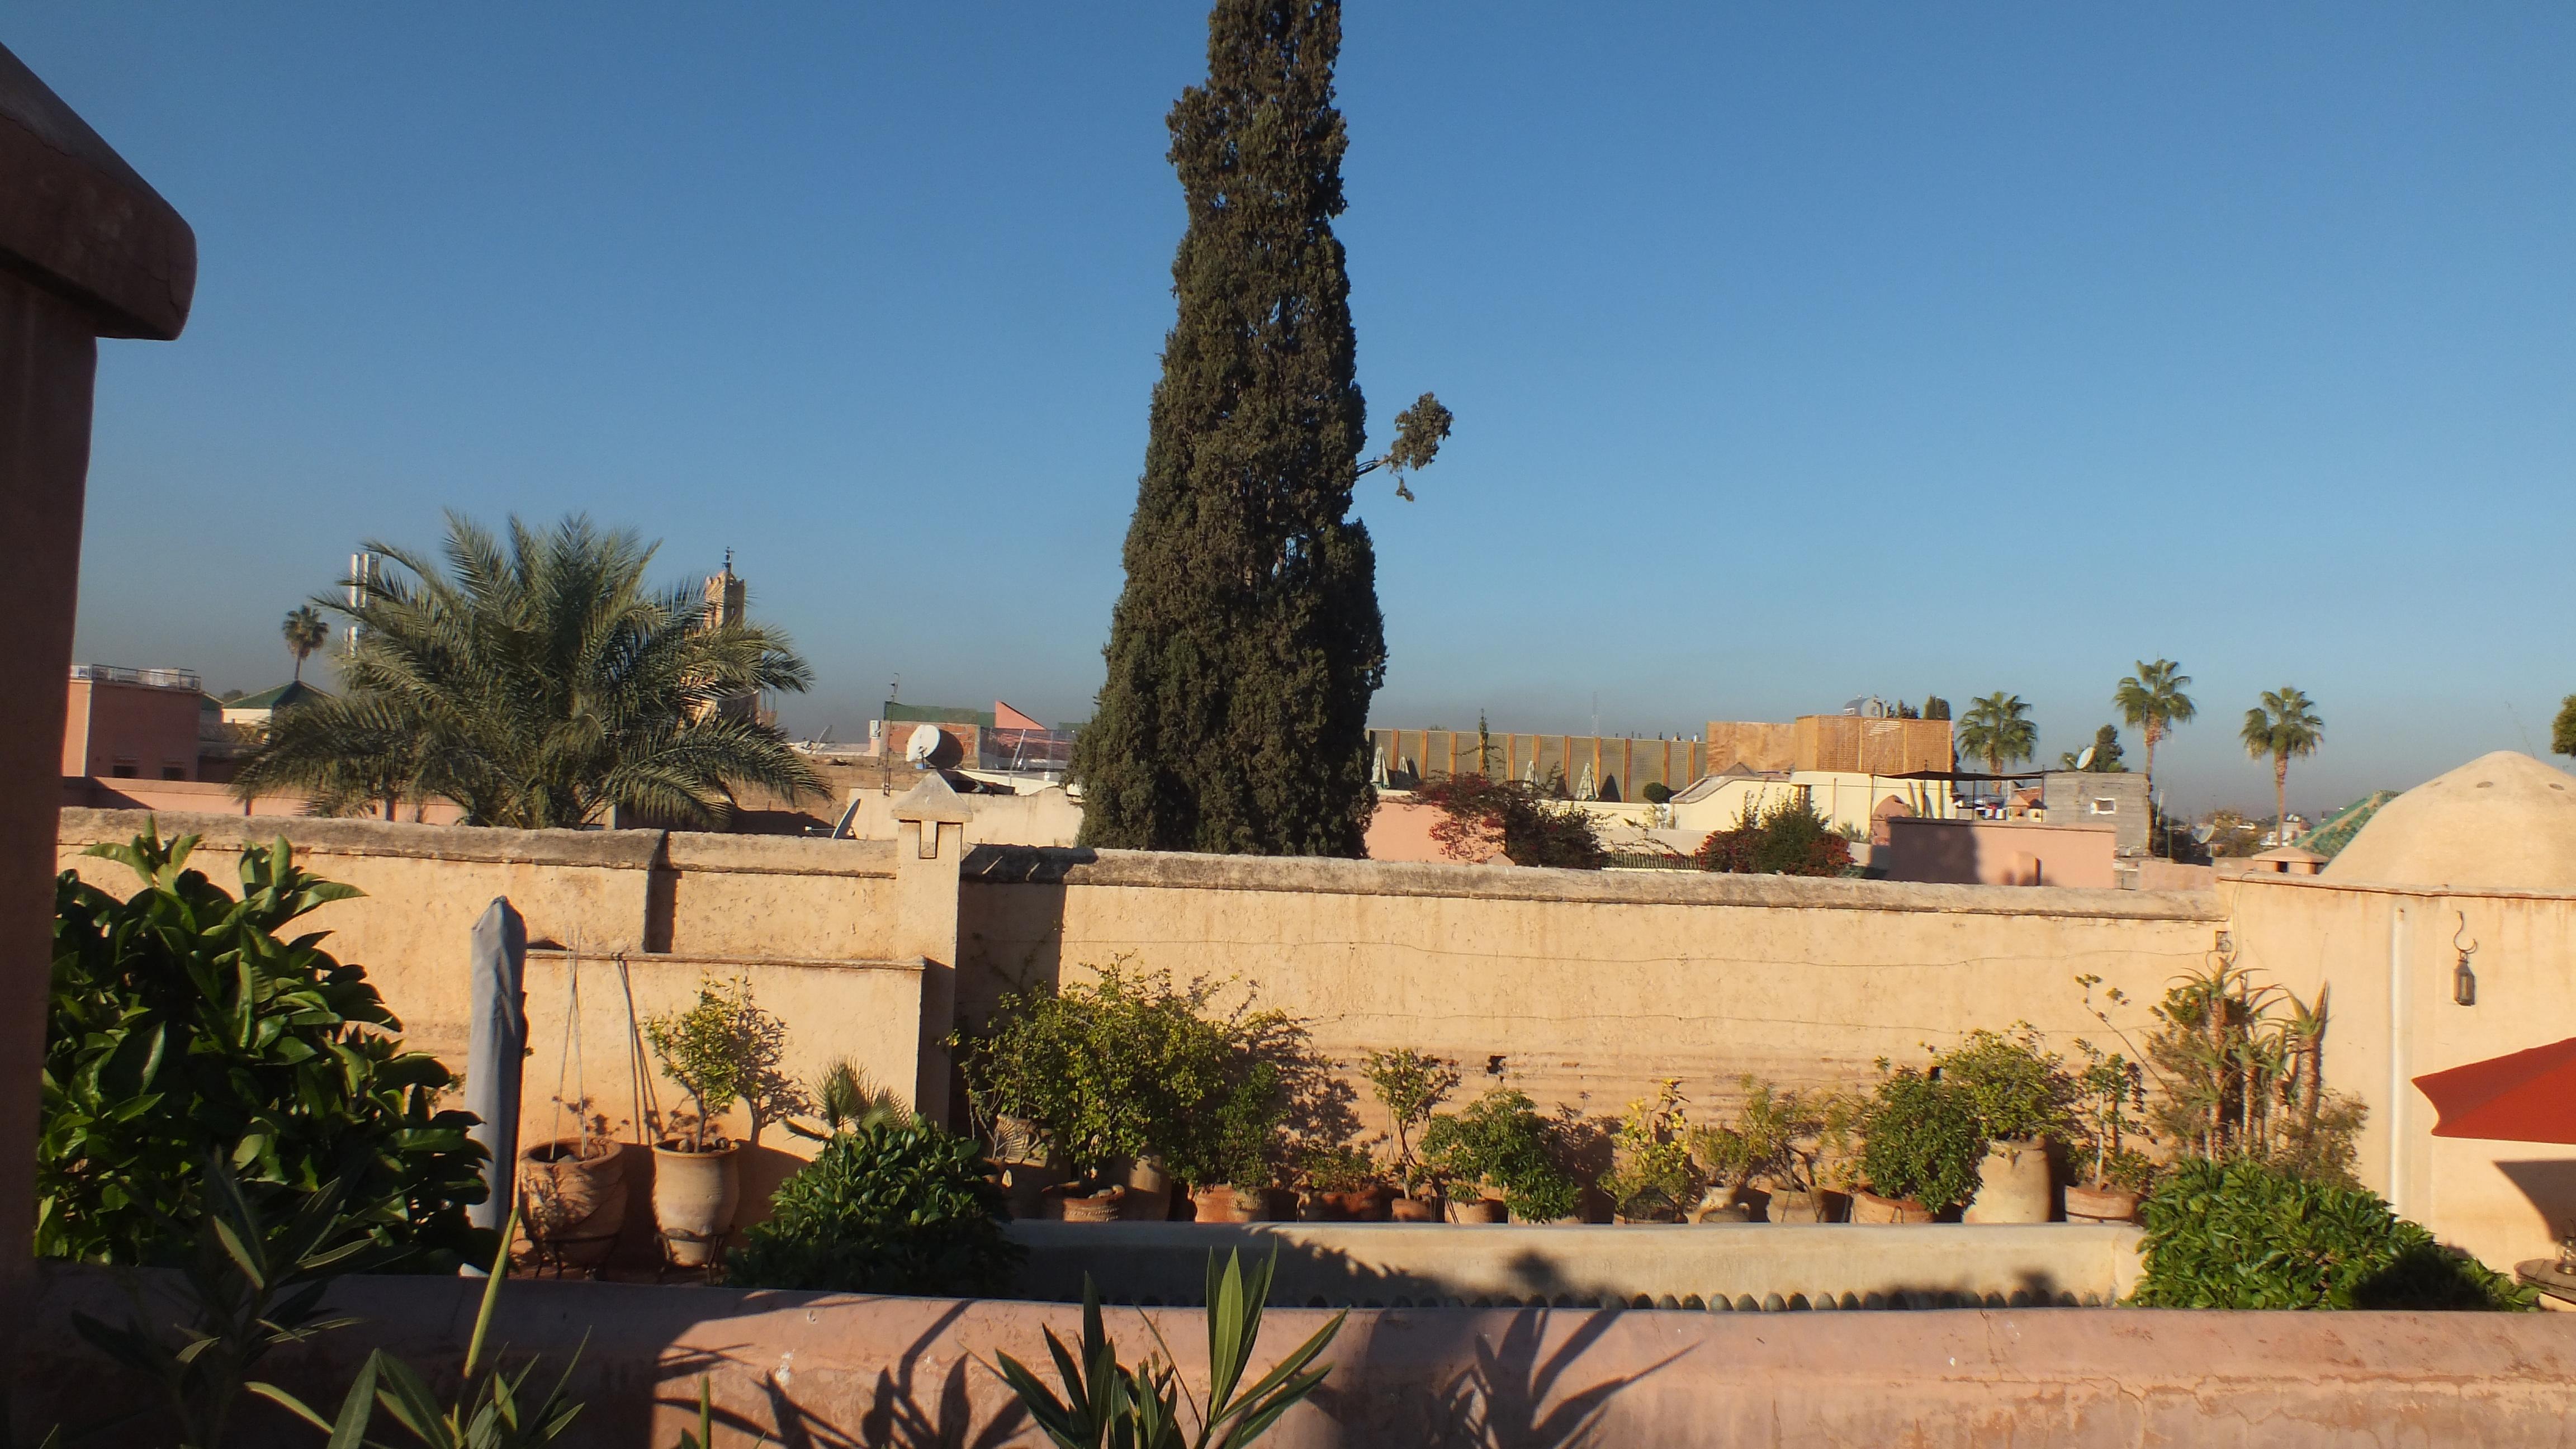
2504	1201
1586	986
809	921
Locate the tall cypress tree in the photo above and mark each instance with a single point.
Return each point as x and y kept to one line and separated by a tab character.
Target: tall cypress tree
1247	643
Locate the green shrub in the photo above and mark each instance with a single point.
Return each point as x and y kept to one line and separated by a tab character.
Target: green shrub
1789	838
1523	821
1410	1085
1651	1174
899	1207
179	1018
1126	1065
2018	1089
1656	793
1501	1139
1920	1139
2245	1234
1238	1142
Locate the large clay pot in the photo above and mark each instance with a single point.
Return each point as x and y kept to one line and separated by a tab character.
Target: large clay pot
2100	1205
1149	1191
1414	1210
1219	1203
2014	1185
575	1205
1869	1207
1799	1207
1367	1205
1274	1205
1478	1210
1025	1186
1104	1206
694	1195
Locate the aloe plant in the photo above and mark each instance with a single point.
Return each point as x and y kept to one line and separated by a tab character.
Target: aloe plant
1108	1405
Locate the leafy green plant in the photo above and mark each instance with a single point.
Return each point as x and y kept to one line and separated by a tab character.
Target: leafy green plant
1501	1140
1651	1174
2240	1070
1656	793
2018	1089
2247	1234
1239	1141
725	1049
1524	822
486	1413
1920	1139
845	1101
1125	1065
1410	1085
253	1284
1789	837
180	1016
2110	1087
889	1207
1765	1139
1336	1167
1106	1403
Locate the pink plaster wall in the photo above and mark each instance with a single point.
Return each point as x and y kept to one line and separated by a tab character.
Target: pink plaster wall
830	1370
1999	852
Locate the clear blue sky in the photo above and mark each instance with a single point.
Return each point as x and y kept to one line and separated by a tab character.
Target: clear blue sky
1798	352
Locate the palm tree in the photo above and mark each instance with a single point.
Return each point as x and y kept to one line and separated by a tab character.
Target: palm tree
1998	727
2153	703
2285	725
305	632
538	685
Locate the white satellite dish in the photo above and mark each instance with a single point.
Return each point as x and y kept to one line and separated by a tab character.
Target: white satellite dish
924	743
2084	761
2203	833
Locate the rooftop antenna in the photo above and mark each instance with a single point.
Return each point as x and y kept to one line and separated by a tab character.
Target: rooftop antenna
894	691
728	560
2527	747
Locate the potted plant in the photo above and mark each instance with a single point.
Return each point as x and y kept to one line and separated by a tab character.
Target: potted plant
1410	1085
722	1051
2115	1175
2022	1098
1499	1144
1920	1148
574	1191
1343	1185
1231	1156
1651	1177
1762	1143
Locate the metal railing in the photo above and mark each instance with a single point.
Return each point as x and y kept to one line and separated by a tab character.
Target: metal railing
155	678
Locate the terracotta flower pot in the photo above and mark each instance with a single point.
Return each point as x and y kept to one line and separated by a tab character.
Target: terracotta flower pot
2100	1205
1149	1191
694	1195
1275	1205
1414	1210
1218	1203
1478	1210
2014	1185
575	1205
1869	1207
1799	1207
1106	1205
1367	1205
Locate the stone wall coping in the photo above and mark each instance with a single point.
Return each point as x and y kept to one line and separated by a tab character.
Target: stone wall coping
1079	866
907	965
2268	880
598	849
77	221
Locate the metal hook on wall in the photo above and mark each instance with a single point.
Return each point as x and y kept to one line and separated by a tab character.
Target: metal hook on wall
2464	982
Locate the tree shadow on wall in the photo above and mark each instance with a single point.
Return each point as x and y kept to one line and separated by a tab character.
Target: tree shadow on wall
1515	1395
900	1414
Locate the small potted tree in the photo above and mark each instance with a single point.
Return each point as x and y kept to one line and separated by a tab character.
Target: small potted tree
1230	1156
1920	1147
1498	1148
1760	1143
2022	1098
2115	1174
1651	1177
1410	1085
723	1051
1343	1185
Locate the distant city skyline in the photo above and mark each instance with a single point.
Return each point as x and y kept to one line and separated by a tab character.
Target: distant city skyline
1796	356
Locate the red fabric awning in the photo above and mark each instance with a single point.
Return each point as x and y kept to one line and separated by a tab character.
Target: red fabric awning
2526	1097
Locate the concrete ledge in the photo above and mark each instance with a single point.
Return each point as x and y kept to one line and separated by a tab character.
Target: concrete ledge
1719	1267
822	1369
599	849
779	855
1079	866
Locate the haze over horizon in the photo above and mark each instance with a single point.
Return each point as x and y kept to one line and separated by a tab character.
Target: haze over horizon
1796	356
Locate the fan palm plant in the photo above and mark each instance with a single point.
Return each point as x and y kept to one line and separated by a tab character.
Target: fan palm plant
538	683
1998	729
2285	726
305	634
2152	701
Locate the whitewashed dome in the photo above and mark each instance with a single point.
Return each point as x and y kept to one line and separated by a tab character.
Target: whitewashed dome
2500	822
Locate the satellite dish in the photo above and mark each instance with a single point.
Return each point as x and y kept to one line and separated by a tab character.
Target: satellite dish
925	742
2202	833
2084	761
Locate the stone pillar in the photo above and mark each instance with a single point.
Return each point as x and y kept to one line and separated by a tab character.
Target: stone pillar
929	846
86	251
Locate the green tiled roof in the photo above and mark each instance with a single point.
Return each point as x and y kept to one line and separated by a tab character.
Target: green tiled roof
933	714
292	692
2337	830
